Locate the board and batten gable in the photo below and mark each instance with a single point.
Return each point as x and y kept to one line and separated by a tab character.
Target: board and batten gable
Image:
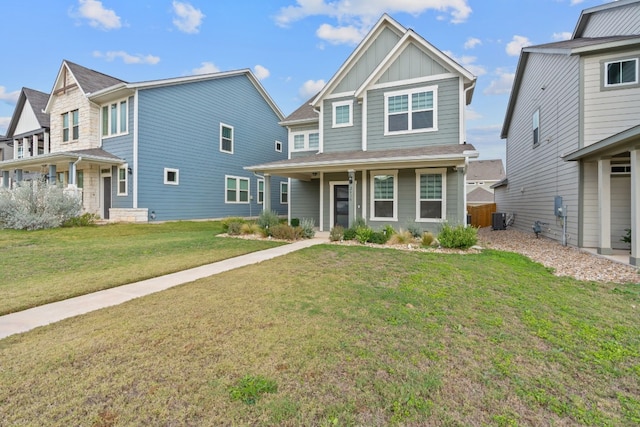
368	61
412	63
122	147
608	111
179	128
617	21
447	110
537	173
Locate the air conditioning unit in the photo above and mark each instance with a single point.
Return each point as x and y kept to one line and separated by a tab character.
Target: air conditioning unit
499	221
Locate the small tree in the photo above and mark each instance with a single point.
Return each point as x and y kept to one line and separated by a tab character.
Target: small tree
33	205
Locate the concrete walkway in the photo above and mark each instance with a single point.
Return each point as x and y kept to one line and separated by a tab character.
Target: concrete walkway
26	320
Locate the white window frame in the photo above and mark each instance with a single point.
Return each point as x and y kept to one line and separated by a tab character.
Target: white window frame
278	146
124	168
334	108
535	126
284	183
106	110
409	93
233	132
259	184
620	61
237	179
432	171
372	205
306	135
167	181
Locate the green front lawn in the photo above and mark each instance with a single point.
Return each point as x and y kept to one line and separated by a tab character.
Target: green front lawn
38	267
341	335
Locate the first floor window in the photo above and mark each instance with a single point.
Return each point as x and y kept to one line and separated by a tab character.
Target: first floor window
260	191
226	138
122	180
430	184
171	176
237	190
384	187
621	72
284	193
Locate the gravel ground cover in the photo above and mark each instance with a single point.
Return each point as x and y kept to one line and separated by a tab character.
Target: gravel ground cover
565	260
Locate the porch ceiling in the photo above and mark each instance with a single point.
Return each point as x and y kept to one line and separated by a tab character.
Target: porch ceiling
308	166
35	163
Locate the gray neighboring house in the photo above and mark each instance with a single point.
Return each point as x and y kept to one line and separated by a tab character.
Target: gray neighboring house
481	175
572	130
384	140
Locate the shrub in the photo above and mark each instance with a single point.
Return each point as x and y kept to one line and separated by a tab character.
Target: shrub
250	228
363	234
414	230
250	388
306	225
83	220
359	222
295	222
268	219
234	228
350	234
402	238
379	237
285	232
388	230
627	237
428	239
232	219
459	237
33	205
336	234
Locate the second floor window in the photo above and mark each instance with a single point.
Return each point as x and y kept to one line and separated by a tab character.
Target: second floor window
115	118
305	141
226	138
342	114
536	127
70	126
410	111
621	72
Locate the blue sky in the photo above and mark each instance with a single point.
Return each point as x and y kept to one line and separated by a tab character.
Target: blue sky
293	46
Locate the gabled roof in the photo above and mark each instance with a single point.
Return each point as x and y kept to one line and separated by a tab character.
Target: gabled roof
485	170
480	195
37	101
88	80
304	114
588	13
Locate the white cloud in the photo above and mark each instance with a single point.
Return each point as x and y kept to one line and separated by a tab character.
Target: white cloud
467	61
9	97
368	10
126	57
562	36
472	42
206	68
261	72
501	84
471	114
341	35
98	16
188	19
516	44
310	88
486	139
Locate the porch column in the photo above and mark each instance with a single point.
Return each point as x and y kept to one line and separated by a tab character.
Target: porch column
266	204
25	147
634	259
34	142
352	196
16	146
46	143
604	207
18	175
72	173
52	174
5	179
462	209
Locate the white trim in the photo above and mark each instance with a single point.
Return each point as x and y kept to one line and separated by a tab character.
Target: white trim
238	179
414	81
364	193
321	129
372	176
258	181
443	213
305	135
118	104
281	192
125	168
321	201
409	93
233	135
177	172
340	95
135	150
332	206
364	122
276	145
334	106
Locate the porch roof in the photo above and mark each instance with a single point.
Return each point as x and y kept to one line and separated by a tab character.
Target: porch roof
94	155
612	145
305	167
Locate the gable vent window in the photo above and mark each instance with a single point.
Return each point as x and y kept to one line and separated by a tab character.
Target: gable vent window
620	169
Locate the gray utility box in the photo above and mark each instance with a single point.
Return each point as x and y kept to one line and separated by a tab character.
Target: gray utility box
499	221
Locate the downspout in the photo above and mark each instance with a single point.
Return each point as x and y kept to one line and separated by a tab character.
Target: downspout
464	103
75	173
466	159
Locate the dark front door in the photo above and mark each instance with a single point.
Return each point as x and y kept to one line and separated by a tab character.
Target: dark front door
107	197
341	205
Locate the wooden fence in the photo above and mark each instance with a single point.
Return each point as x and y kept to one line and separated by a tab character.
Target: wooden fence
481	216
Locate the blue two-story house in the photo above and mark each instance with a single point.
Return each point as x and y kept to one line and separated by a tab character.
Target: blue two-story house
384	140
159	150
